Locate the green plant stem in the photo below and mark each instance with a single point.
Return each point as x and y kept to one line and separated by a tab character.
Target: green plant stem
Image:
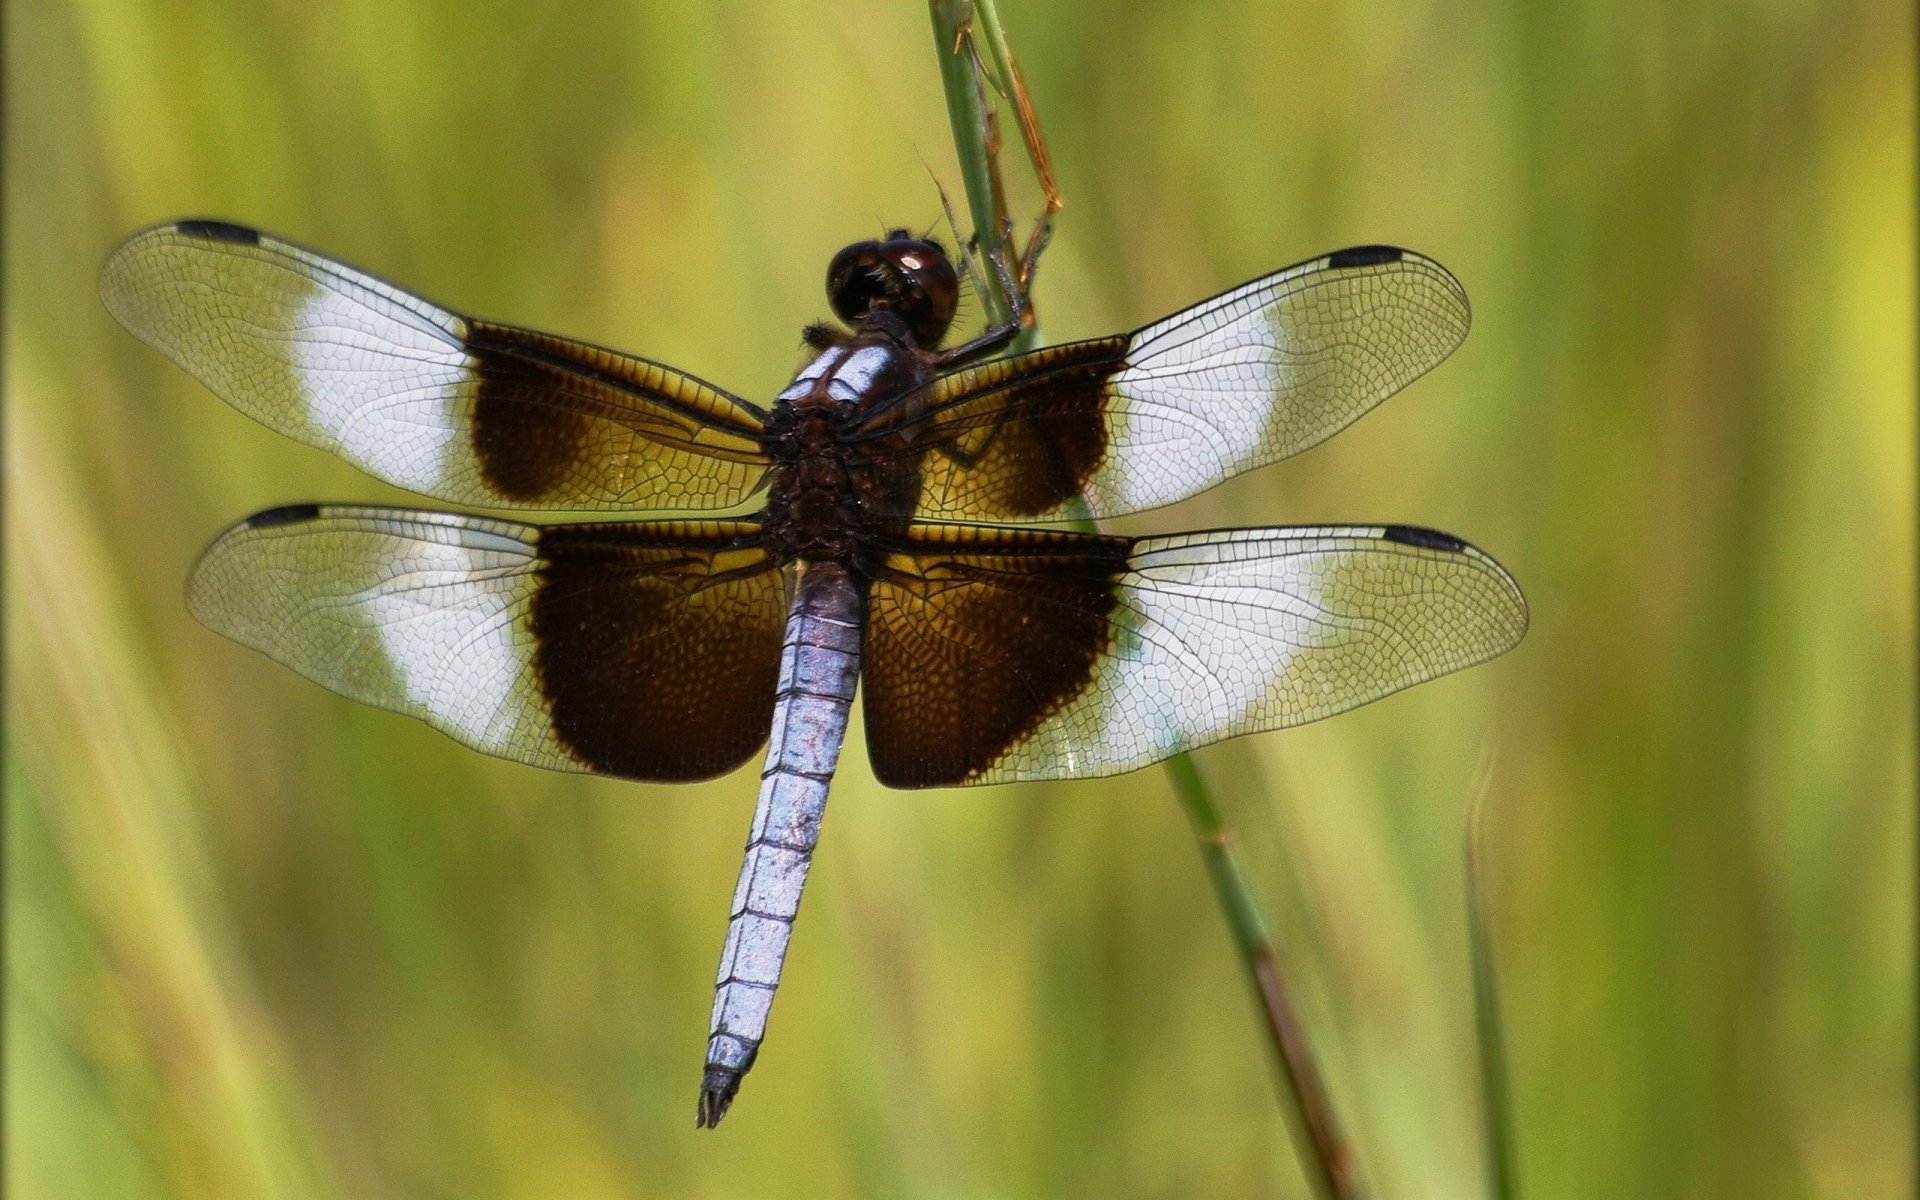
970	121
1489	1041
1328	1163
1324	1157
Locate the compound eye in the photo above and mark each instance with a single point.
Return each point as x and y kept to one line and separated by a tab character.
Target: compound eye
934	289
910	277
856	279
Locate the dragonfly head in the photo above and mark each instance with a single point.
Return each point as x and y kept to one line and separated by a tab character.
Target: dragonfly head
909	276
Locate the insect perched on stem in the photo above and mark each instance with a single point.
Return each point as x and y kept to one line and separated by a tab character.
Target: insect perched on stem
891	551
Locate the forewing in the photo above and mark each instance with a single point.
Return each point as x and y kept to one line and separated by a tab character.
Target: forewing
647	650
994	656
1138	421
465	410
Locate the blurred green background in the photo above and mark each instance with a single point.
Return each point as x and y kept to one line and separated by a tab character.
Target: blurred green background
262	942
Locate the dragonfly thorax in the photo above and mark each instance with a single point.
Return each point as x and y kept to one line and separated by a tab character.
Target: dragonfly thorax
824	490
812	502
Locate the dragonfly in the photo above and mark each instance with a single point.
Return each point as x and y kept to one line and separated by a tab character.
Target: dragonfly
900	545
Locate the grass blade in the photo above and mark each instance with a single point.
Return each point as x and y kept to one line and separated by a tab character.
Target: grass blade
1489	1040
1325	1158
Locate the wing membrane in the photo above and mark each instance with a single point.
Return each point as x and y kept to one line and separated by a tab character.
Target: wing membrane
647	650
1135	422
465	410
1001	655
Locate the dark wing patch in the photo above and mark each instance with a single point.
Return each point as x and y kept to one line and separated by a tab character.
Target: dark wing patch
994	657
1011	439
658	649
1131	423
976	638
469	411
647	650
557	417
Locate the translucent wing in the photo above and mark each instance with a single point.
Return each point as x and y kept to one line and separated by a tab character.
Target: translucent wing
465	410
1138	421
647	650
1001	655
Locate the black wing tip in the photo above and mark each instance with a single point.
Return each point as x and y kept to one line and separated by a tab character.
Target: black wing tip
286	514
1426	539
217	231
1365	256
717	1091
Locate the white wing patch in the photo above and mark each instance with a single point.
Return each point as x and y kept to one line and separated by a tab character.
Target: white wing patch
339	359
420	612
390	392
1214	634
1242	630
1180	443
1269	369
446	615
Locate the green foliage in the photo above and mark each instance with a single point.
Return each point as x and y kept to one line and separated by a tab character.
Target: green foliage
262	942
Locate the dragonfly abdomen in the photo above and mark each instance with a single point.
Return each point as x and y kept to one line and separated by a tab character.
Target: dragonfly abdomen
819	668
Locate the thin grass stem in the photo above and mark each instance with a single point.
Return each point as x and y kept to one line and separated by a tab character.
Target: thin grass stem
974	142
1325	1156
1489	1039
1326	1159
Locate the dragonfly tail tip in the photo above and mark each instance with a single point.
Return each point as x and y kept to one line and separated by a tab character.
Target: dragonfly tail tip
716	1096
